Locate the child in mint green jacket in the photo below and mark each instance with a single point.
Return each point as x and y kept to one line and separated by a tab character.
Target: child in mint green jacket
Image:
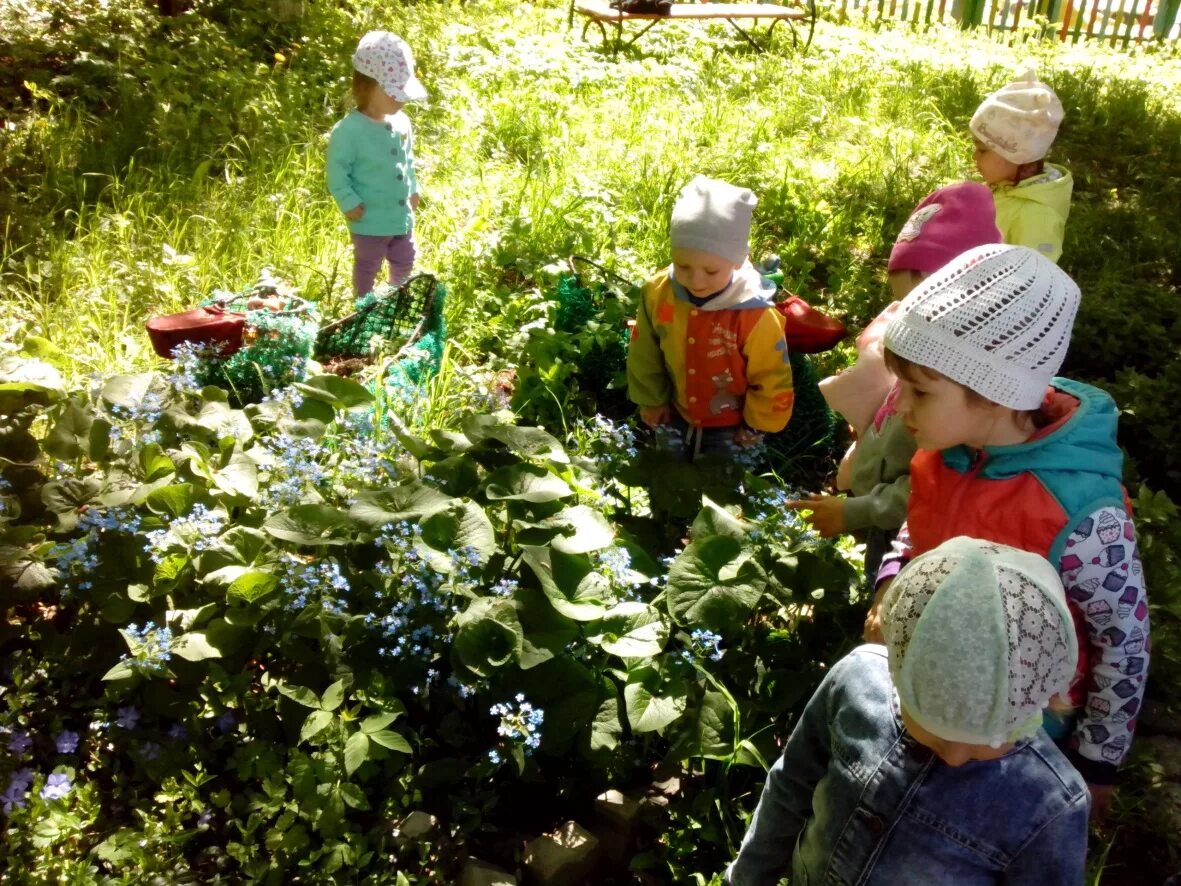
371	161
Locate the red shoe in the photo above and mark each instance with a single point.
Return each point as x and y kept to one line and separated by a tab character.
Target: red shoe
808	331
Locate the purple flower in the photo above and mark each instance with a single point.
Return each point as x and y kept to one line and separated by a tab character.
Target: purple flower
177	732
56	787
66	742
151	750
18	787
20	742
128	717
226	721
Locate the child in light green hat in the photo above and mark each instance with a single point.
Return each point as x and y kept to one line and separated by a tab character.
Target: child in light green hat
923	760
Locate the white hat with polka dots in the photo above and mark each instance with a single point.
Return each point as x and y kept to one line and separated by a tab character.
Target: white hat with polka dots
387	59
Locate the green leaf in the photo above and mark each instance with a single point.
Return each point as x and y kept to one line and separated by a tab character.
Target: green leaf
411	501
316	723
170	572
651	705
631	630
340	393
583	530
463	524
310	524
252	584
356	749
333	696
569	583
353	796
391	740
377	722
63	497
194	646
175	500
239	477
607	728
715	584
716	520
707	731
122	671
548	633
525	482
529	442
298	694
25	382
154	463
127	391
70	436
488	636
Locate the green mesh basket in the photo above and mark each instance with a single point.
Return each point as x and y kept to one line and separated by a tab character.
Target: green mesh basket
399	317
590	292
276	345
803	453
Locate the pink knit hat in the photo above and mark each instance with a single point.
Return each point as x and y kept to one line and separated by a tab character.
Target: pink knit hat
946	222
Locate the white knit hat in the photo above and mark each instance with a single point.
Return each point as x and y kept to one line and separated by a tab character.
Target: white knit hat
715	217
979	640
996	319
1019	121
387	59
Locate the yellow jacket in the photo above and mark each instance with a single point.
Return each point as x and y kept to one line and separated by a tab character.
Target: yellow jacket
720	364
1034	212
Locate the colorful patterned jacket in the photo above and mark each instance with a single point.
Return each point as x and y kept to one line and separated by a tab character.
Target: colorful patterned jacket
1058	494
720	364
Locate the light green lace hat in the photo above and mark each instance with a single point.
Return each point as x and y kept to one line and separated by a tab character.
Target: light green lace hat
979	640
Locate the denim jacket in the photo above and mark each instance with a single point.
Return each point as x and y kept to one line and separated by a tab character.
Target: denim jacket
854	799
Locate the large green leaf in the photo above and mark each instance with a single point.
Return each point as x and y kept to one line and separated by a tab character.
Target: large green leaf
529	442
238	478
252	584
70	435
488	637
128	391
651	703
25	382
356	749
548	633
410	501
716	520
310	524
607	728
715	583
570	695
525	482
333	696
631	630
315	723
707	730
389	739
194	646
175	500
583	529
225	423
462	524
340	393
570	583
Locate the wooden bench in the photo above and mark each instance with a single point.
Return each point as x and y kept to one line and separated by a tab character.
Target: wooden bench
599	12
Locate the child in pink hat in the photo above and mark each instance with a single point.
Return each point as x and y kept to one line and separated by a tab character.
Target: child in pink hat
876	469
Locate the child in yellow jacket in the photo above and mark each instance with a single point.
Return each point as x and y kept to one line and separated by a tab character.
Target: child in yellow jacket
1013	129
708	354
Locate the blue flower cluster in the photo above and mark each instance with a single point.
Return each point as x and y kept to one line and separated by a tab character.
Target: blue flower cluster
704	644
519	722
777	522
412	591
297	468
506	587
614	443
79	556
191	360
153	647
198	531
139	416
308	582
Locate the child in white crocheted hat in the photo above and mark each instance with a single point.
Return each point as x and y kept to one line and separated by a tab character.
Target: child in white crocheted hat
1009	453
1013	129
923	761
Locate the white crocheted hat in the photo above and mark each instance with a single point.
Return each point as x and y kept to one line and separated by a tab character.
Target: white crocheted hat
997	319
1019	121
713	216
979	640
387	59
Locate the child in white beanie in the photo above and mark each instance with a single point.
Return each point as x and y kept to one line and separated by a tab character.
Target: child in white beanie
1010	453
1013	129
708	354
923	761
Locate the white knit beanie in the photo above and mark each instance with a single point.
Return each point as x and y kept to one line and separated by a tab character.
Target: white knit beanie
1019	121
713	216
979	640
996	319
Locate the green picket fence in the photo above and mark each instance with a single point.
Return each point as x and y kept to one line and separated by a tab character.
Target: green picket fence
1118	22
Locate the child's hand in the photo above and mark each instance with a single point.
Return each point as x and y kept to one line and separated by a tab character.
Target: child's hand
747	437
414	202
871	632
828	513
356	212
655	416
